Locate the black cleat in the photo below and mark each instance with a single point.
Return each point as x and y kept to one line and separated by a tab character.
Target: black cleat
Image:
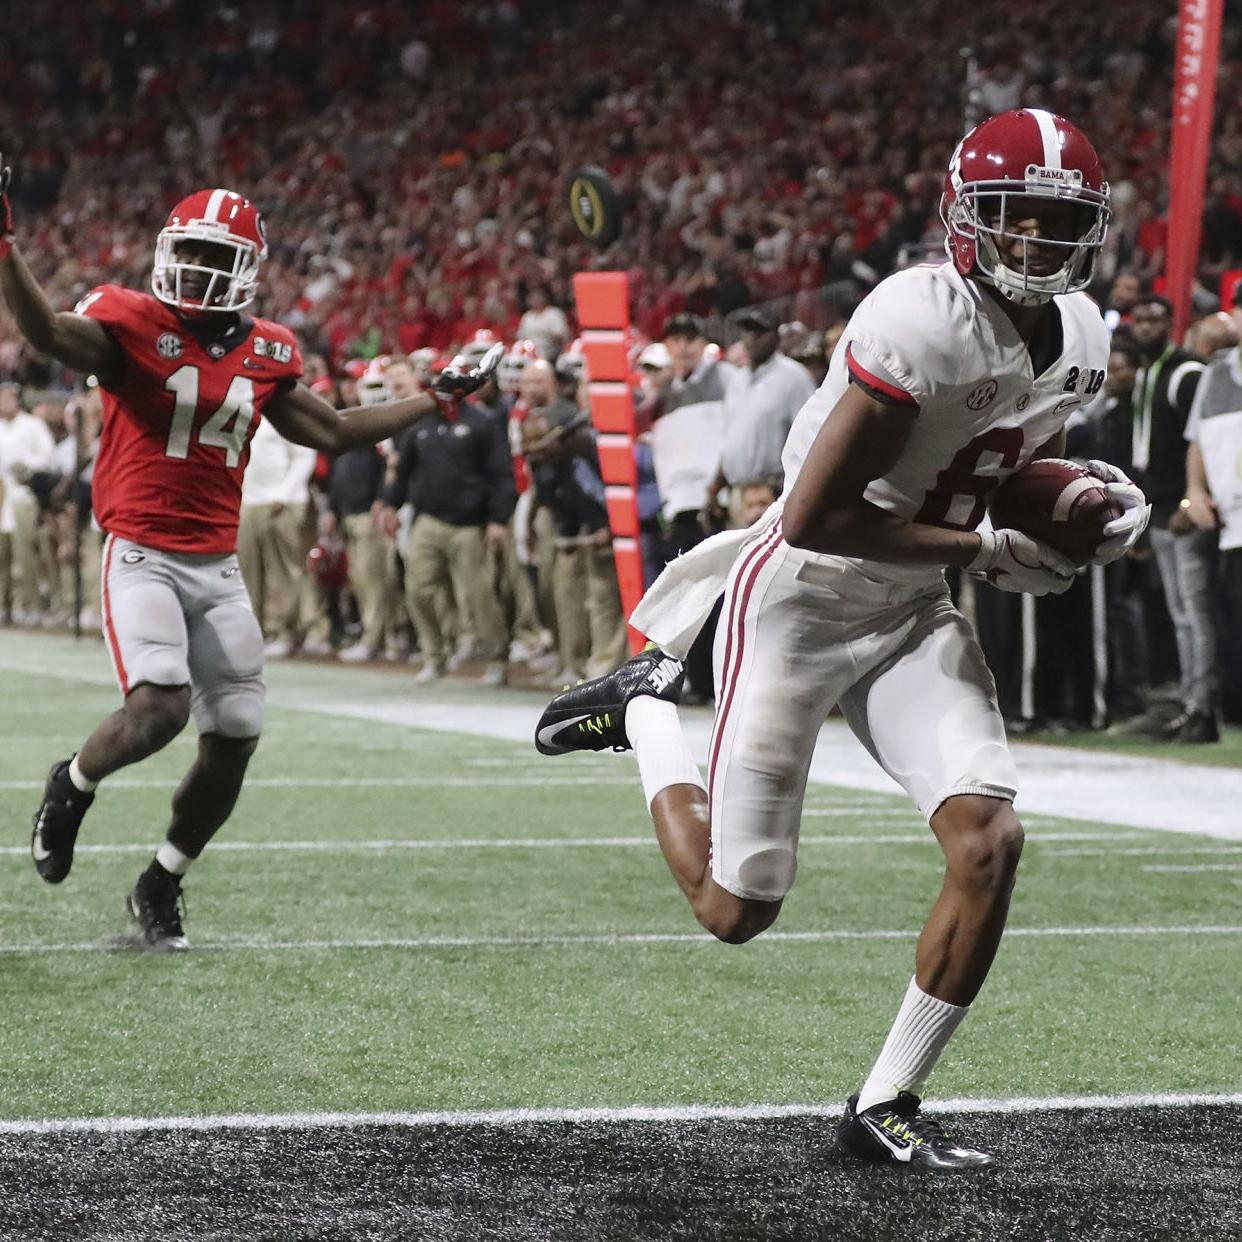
157	905
896	1132
591	715
56	824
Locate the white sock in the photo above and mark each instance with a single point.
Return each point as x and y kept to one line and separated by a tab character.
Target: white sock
663	757
80	782
172	859
920	1034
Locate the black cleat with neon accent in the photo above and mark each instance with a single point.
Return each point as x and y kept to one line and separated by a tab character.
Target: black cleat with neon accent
157	905
591	715
897	1132
56	824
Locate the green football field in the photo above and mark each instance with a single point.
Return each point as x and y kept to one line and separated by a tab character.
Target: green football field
401	920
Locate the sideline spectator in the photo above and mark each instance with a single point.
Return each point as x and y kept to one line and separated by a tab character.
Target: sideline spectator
685	450
1185	553
455	470
1214	504
272	536
565	471
26	449
760	404
544	324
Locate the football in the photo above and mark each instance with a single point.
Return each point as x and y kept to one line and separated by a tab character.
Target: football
1058	502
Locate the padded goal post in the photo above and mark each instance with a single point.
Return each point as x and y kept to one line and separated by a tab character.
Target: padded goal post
603	302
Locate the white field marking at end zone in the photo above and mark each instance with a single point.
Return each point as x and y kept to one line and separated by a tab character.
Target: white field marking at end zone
360	782
347	846
509	1118
607	940
1192	867
1137	851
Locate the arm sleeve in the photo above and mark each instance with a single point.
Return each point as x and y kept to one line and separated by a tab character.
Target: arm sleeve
871	375
903	342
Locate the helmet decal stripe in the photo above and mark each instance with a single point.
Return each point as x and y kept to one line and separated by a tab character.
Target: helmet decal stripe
1048	132
216	201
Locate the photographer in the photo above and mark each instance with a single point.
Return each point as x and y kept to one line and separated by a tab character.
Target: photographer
560	449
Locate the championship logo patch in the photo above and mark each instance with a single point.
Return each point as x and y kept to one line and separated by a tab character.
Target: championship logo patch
983	395
169	345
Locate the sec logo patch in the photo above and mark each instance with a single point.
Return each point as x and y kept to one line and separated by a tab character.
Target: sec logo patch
982	395
169	345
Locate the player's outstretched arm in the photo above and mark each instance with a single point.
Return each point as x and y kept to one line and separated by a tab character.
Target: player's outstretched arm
305	418
78	342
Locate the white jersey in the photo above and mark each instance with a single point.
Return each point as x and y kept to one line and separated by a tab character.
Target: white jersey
929	337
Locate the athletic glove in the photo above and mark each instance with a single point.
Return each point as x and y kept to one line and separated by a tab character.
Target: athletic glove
6	211
1016	562
1122	533
459	379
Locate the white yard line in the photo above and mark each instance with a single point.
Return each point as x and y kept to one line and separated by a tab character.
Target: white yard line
607	940
1129	790
509	1118
361	782
1194	867
349	846
1137	851
1096	786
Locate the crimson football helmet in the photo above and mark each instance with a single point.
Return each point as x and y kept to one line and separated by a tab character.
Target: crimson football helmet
997	170
219	218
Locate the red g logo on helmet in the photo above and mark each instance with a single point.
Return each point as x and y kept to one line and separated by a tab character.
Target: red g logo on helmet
207	255
1006	172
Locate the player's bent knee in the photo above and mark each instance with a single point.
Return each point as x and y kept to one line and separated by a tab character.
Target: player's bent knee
159	713
982	839
734	920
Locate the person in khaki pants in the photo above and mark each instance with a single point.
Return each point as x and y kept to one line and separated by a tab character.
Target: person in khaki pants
455	470
589	619
26	449
272	536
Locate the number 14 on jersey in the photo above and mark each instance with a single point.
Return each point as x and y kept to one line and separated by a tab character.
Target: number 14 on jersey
226	428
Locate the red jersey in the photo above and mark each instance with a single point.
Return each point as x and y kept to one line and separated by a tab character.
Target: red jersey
177	424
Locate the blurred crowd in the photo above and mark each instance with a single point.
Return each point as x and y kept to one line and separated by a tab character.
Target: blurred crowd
775	159
412	159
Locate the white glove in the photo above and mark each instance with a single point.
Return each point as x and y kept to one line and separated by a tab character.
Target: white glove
1016	562
1122	533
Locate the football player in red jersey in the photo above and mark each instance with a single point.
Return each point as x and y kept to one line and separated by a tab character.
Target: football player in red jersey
185	375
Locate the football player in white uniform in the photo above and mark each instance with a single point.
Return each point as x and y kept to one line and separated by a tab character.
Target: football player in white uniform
948	379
